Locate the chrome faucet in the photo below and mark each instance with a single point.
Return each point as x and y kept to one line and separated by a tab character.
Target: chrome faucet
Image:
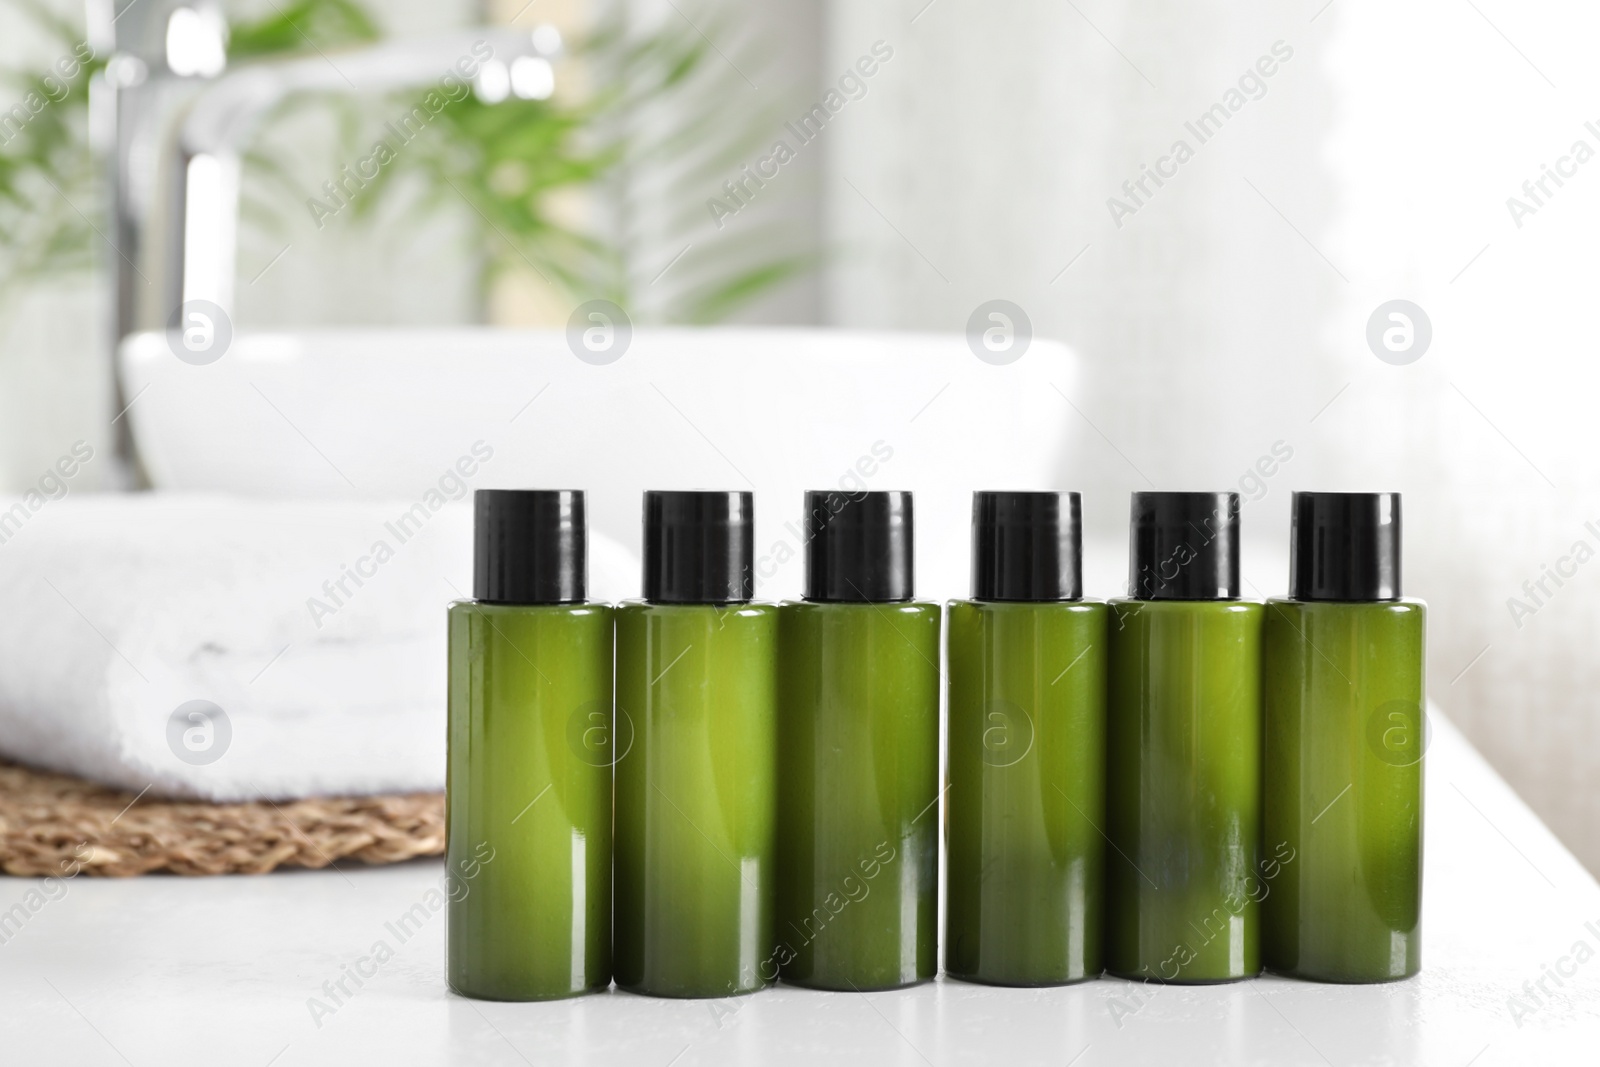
176	121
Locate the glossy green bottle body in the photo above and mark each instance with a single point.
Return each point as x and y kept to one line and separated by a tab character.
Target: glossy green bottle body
1026	800
696	797
1183	790
858	794
1344	694
528	859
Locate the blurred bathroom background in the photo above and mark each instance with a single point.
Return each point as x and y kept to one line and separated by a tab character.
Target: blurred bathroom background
1218	312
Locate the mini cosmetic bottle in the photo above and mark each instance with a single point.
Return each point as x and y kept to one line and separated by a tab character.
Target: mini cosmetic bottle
1027	721
1183	741
697	756
528	859
859	779
1344	694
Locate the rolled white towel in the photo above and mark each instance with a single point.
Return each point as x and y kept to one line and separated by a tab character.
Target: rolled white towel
317	628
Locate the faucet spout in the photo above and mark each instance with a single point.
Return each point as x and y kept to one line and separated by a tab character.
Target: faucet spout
178	141
207	140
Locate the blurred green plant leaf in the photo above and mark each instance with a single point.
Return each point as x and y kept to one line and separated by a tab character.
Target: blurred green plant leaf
303	25
48	180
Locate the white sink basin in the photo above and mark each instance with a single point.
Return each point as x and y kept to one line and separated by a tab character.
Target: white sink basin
390	414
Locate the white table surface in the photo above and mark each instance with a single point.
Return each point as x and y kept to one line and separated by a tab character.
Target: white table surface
174	971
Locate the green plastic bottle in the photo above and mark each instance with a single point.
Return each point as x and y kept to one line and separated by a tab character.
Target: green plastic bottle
1344	691
1026	796
528	793
696	787
1183	771
859	781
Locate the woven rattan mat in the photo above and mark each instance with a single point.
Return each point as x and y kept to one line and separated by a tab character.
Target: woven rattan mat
57	824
